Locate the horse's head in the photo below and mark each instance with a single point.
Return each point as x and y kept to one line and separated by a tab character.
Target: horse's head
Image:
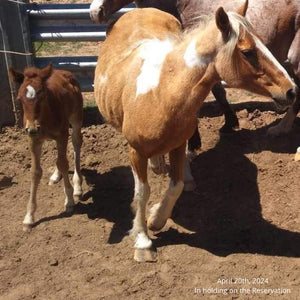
245	62
101	10
32	94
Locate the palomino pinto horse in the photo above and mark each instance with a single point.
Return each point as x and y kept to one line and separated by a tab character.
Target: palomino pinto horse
150	81
275	21
51	101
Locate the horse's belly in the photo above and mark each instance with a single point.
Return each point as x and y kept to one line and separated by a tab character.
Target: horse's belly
110	106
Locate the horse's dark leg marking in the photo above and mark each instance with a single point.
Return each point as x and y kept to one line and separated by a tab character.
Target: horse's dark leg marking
231	120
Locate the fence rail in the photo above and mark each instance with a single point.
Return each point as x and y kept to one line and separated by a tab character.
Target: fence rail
67	22
22	24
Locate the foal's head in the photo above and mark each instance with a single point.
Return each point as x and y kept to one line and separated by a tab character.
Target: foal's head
101	10
32	94
245	62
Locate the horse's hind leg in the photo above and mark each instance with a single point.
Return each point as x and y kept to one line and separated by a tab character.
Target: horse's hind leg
77	142
63	167
143	245
194	143
55	177
231	120
160	212
36	174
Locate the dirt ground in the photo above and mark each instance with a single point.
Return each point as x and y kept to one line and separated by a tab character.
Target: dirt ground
241	223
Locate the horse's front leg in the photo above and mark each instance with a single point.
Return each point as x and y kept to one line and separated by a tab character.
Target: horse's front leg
231	120
63	167
286	124
143	245
35	146
161	211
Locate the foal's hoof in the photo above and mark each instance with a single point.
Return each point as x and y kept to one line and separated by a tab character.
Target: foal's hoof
145	255
27	227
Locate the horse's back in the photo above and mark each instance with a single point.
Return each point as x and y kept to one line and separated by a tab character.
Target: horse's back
118	54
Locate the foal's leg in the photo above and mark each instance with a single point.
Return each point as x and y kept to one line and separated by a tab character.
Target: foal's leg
231	120
143	245
77	142
160	212
36	174
63	167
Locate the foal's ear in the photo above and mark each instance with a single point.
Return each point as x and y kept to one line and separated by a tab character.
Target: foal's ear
243	9
46	72
16	76
223	22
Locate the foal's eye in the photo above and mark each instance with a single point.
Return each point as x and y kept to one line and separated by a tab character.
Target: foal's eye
248	53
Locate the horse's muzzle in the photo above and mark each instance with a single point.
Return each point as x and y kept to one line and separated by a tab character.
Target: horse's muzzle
33	131
284	101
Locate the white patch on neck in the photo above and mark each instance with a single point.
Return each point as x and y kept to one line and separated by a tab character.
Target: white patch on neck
153	52
31	93
270	56
191	57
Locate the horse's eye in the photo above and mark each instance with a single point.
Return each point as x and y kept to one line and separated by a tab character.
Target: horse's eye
248	53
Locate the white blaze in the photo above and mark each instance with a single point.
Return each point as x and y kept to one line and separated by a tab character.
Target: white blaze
270	56
31	93
153	53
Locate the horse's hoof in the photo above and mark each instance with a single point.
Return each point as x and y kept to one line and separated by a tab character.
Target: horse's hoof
69	209
189	186
54	180
77	197
27	227
297	155
225	130
145	255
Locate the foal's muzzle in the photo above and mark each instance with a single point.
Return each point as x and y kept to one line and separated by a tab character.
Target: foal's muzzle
33	131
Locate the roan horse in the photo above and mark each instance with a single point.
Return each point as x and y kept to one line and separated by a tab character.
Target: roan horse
51	100
151	79
275	21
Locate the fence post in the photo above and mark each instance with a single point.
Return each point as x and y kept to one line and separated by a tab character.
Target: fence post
15	51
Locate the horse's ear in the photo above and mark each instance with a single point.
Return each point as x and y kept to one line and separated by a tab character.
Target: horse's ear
243	9
16	76
46	72
223	22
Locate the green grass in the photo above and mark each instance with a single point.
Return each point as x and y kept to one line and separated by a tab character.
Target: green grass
57	48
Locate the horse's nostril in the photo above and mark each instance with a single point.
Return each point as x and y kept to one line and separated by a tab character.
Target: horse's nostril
290	94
